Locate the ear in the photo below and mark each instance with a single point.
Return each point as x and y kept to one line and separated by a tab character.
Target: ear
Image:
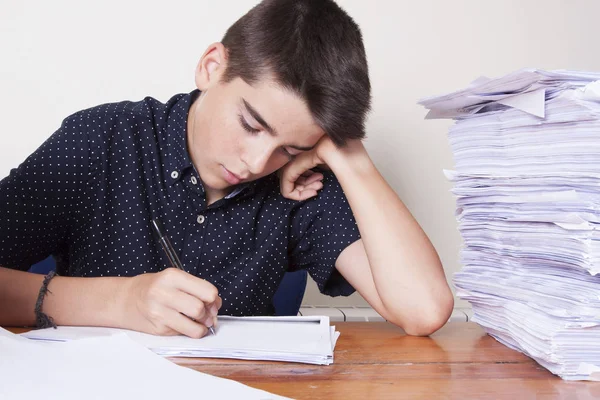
211	66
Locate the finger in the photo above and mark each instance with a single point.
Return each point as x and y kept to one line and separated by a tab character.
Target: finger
305	181
302	193
318	185
214	309
216	306
301	181
307	194
295	195
294	170
190	307
197	287
185	326
315	177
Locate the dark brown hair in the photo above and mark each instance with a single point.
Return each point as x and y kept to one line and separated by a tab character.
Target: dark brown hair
311	47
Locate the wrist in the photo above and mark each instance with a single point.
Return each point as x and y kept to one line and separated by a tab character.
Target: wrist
350	159
87	301
120	307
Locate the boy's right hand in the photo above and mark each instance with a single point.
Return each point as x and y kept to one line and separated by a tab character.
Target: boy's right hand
165	302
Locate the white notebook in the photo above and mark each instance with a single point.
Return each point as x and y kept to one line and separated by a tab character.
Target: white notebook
308	339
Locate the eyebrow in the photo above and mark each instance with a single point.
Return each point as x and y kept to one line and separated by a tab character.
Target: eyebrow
258	118
255	114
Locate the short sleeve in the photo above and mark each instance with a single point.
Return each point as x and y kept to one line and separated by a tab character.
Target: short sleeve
322	227
40	196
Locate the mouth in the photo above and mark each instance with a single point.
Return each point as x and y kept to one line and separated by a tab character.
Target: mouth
231	177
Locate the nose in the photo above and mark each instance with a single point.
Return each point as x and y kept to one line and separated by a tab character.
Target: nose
257	157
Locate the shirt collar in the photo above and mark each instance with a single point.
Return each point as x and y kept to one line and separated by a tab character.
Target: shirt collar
177	159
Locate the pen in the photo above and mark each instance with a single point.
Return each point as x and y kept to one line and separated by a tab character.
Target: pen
170	251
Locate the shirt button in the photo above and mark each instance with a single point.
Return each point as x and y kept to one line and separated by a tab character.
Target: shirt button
174	174
200	219
194	180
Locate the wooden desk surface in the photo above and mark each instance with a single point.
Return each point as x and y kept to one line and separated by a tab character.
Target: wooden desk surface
375	360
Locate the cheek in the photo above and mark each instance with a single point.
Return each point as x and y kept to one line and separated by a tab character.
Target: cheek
275	162
225	140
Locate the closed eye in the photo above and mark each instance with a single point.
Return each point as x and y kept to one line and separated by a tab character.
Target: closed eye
290	152
247	126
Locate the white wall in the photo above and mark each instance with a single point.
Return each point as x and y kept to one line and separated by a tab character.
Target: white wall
62	56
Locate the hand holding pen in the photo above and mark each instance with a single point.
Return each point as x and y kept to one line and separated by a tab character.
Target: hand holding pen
171	255
169	302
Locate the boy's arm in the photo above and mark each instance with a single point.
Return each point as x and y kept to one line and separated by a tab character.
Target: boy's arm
152	303
394	266
70	301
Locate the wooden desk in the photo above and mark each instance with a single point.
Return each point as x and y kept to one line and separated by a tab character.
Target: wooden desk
375	360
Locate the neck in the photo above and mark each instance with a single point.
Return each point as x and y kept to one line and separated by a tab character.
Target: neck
214	195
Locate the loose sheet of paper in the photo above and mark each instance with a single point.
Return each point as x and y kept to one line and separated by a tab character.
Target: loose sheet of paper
109	367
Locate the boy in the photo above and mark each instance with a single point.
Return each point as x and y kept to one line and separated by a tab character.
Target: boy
229	170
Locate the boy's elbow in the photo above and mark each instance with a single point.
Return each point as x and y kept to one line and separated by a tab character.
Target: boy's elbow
427	319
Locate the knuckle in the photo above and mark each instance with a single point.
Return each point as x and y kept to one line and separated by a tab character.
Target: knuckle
212	294
155	293
199	312
170	274
154	314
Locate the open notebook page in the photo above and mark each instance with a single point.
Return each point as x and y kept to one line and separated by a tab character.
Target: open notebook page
297	339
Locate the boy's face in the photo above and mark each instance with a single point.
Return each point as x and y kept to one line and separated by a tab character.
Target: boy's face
239	133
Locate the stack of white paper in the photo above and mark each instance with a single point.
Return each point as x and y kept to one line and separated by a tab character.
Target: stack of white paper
113	367
527	180
295	339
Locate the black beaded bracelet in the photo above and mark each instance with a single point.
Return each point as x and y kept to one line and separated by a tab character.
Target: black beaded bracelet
42	320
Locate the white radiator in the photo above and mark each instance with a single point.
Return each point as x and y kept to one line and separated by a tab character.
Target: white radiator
367	313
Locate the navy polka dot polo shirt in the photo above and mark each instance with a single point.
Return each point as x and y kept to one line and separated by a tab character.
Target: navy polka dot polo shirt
88	194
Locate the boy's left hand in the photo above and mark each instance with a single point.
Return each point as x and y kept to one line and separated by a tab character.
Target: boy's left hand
297	179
